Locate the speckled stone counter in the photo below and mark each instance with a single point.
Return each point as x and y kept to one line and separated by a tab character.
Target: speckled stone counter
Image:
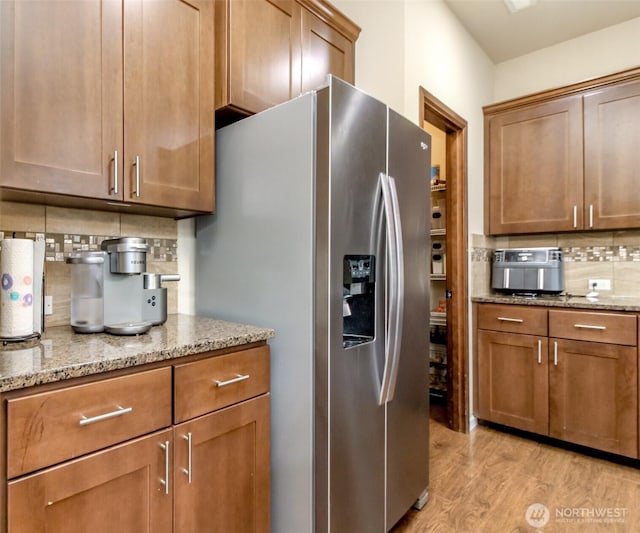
62	354
607	303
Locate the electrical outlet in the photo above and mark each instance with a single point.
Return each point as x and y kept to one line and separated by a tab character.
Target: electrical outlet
599	285
48	305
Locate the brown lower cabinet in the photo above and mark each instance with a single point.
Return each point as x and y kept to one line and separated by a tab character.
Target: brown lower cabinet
578	384
118	489
222	470
513	380
593	395
208	471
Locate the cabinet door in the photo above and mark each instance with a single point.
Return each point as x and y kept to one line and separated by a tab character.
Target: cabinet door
222	470
118	489
612	158
512	380
168	61
593	395
257	53
61	102
534	168
324	51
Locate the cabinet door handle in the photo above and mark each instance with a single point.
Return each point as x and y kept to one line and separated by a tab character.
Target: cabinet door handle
237	379
588	326
507	319
591	215
575	216
167	473
555	353
187	470
539	352
84	421
137	165
115	172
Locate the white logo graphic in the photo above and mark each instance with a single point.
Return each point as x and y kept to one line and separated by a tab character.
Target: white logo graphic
537	515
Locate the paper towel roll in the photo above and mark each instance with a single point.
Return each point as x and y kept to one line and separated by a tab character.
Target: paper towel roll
16	294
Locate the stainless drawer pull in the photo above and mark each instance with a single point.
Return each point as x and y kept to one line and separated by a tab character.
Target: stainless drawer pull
238	378
115	172
587	326
137	165
165	481
539	352
506	319
555	353
119	412
187	470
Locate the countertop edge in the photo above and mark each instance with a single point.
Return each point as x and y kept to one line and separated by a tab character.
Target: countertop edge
96	363
630	304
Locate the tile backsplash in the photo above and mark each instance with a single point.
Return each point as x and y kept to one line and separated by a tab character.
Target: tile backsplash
67	230
596	255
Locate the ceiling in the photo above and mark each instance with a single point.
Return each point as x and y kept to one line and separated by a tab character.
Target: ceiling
503	35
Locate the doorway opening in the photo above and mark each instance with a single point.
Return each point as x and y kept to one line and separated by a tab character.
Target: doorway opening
434	113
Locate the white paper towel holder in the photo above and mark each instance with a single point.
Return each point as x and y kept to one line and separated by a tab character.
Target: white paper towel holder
38	298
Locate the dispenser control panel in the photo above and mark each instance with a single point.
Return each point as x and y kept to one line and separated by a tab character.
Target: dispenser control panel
359	269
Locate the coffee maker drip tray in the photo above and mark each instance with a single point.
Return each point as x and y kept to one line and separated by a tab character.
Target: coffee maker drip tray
128	328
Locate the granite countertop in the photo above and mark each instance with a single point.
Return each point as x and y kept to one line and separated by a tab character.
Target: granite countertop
62	354
605	303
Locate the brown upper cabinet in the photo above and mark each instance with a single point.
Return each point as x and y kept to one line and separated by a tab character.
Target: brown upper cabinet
269	51
109	101
564	160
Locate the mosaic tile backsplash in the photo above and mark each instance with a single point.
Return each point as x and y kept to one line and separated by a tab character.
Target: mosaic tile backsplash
603	255
59	246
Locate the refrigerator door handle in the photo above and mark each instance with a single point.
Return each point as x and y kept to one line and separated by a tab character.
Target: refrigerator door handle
395	282
398	302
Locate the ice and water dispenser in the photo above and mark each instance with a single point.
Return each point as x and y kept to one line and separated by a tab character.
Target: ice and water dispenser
358	300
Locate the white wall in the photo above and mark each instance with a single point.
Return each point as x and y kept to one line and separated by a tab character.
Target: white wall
589	56
380	48
187	266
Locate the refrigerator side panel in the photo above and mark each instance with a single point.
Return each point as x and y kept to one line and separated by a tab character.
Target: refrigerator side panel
356	421
408	412
254	264
321	362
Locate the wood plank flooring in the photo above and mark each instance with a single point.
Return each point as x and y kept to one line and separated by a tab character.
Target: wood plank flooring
485	481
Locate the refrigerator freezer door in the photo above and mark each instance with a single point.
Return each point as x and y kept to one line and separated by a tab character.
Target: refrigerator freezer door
408	411
355	420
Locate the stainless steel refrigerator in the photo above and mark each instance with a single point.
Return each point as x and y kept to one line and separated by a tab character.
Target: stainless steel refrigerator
322	232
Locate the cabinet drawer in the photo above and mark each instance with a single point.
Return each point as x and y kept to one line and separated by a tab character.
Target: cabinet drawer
210	384
513	319
50	427
613	328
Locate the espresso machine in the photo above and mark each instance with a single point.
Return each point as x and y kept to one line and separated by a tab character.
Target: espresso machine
111	290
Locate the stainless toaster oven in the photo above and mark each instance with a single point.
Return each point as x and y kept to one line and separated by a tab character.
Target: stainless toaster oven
528	270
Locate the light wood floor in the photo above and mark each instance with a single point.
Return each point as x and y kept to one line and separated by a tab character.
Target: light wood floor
485	481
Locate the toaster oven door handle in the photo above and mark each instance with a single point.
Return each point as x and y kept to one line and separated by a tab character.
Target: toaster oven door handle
505	279
507	319
541	279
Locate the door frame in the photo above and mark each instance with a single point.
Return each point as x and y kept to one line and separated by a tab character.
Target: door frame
435	112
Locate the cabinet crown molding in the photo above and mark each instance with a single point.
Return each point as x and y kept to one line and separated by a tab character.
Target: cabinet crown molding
568	90
330	15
